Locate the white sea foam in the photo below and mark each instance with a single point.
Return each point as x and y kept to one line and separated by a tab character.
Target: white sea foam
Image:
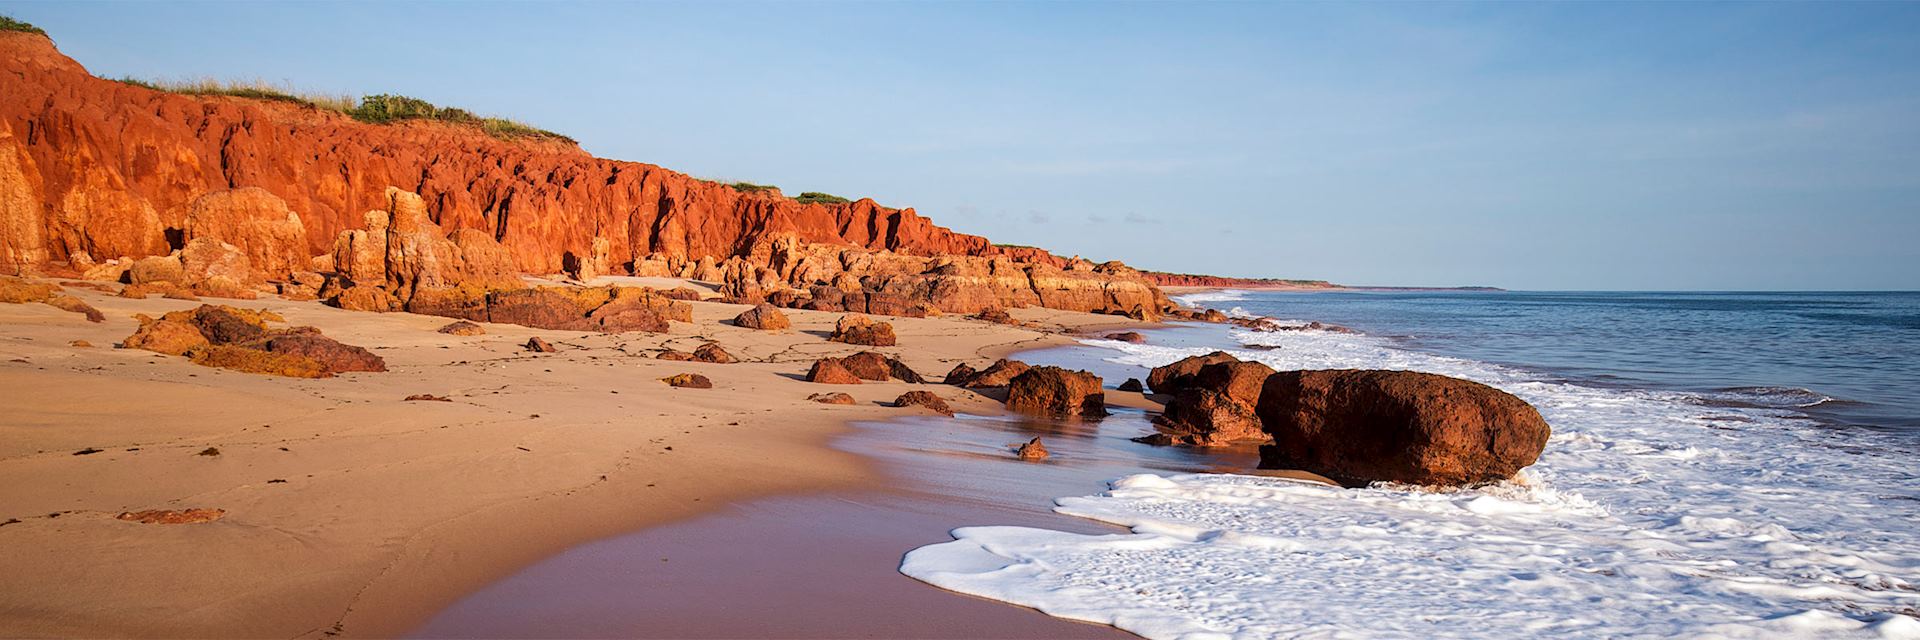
1651	514
1192	300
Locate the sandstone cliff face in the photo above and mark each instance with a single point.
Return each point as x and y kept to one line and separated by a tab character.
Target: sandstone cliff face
93	171
96	166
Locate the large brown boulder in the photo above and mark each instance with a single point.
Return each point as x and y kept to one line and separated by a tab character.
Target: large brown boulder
336	357
171	337
858	329
537	308
1057	392
1000	374
1171	378
1217	406
1360	426
762	316
712	352
923	399
831	371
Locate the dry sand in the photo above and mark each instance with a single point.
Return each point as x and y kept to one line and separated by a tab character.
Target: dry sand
353	513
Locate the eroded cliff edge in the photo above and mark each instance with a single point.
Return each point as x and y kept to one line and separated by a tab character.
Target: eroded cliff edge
94	170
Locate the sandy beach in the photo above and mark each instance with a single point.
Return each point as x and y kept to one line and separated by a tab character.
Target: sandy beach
350	512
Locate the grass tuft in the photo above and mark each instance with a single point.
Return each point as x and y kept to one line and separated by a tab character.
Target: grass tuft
748	187
7	23
375	109
815	197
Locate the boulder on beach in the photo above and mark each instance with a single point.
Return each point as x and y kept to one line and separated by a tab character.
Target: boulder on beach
831	398
1361	426
1132	384
1055	391
538	345
995	315
463	328
762	316
1170	379
688	381
923	399
831	371
1131	337
1000	374
172	516
859	329
1217	406
959	375
338	358
712	352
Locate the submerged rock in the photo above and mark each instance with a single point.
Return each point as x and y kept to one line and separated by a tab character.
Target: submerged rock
1033	451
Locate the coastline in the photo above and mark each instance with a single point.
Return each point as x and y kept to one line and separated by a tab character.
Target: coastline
391	510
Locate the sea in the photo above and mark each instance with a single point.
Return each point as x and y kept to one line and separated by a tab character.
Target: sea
1722	465
1732	465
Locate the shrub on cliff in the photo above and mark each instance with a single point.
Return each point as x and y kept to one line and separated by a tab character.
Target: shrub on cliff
7	23
815	197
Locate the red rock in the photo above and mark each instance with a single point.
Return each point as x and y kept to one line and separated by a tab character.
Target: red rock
831	371
463	328
538	345
259	225
84	149
676	356
1132	384
166	336
1000	374
65	302
238	358
682	293
365	298
831	398
170	516
762	316
80	344
1359	426
995	315
960	375
1057	392
1171	378
1125	336
859	329
688	381
336	357
1033	451
868	365
712	352
21	291
537	308
924	399
427	397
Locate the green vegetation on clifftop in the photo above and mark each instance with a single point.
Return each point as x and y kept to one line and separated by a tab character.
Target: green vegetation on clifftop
7	23
373	109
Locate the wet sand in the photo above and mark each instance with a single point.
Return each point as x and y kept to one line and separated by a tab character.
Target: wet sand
353	513
826	565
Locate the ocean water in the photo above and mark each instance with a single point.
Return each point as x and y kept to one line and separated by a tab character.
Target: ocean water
1722	465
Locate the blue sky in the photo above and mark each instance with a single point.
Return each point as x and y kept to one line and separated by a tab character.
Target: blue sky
1537	146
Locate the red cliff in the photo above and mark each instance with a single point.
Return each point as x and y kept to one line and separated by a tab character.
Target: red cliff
112	169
